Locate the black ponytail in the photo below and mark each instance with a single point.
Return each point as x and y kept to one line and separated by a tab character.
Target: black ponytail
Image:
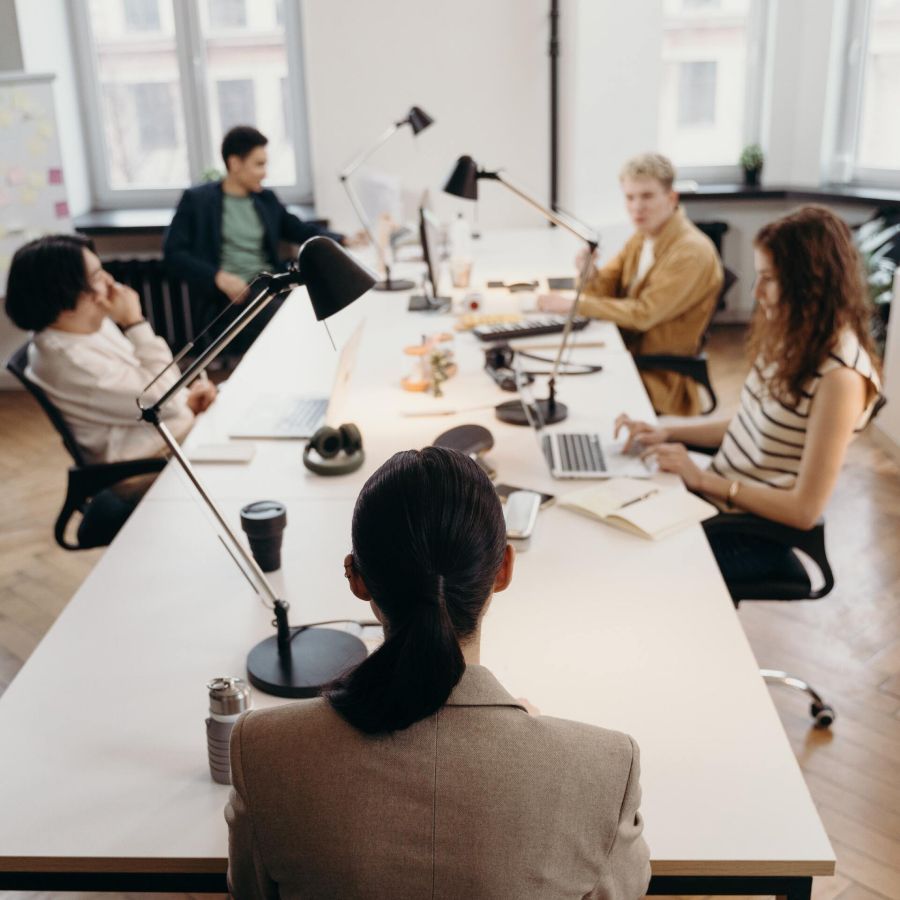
428	540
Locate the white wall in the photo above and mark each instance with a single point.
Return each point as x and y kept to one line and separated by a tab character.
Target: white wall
609	86
45	38
480	69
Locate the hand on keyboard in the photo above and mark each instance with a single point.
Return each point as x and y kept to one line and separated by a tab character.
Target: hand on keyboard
555	303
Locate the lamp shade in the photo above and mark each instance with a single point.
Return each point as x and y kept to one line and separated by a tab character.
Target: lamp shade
463	181
332	277
418	119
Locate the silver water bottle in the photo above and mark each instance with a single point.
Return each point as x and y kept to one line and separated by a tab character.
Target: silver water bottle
228	698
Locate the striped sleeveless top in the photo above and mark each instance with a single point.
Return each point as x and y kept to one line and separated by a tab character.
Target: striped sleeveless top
765	439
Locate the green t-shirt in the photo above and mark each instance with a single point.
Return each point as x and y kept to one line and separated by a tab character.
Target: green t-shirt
242	239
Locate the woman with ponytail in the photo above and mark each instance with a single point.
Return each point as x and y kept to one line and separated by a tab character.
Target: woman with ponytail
417	774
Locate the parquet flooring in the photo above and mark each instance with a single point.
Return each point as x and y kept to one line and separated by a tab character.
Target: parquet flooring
847	645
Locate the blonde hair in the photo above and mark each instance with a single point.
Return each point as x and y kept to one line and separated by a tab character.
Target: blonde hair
650	165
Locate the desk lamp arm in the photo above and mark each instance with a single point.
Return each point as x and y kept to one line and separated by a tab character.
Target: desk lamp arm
583	234
344	176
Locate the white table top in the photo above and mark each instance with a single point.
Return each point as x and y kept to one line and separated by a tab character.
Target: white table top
102	742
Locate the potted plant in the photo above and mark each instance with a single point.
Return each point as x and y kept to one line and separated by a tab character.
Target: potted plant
752	162
878	242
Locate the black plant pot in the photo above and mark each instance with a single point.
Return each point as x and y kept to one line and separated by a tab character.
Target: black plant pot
751	177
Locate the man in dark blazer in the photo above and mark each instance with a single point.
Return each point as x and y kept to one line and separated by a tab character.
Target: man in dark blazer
225	233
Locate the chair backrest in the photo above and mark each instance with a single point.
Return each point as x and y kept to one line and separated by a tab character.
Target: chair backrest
165	300
17	364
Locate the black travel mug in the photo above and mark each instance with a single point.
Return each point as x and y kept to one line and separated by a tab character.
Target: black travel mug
264	522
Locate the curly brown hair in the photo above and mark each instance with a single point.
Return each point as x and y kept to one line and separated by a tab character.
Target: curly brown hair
821	293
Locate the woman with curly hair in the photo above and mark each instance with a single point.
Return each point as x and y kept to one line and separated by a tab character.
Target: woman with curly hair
813	386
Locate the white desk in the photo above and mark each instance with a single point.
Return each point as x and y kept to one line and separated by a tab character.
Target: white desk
102	748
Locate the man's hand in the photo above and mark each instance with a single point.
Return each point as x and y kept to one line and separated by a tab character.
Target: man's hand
232	286
201	395
554	303
639	433
124	305
581	260
355	240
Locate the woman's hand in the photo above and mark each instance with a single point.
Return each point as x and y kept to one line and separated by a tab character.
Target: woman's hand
640	434
674	458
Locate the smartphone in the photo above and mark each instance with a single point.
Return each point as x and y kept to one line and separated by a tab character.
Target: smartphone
504	490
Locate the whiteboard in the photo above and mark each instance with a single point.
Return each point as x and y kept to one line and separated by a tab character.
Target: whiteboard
33	198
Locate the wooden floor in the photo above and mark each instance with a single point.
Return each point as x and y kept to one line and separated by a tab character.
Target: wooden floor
847	645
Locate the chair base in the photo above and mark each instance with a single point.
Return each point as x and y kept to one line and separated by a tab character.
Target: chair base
823	714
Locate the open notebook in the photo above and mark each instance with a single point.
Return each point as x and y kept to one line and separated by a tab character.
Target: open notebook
641	507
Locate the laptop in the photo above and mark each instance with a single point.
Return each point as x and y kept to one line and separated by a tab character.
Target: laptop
571	454
297	417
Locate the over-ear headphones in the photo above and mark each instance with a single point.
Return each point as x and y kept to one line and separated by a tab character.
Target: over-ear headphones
339	450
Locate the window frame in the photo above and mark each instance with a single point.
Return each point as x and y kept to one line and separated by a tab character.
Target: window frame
842	167
758	39
194	99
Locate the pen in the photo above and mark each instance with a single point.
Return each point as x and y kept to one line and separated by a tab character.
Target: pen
642	497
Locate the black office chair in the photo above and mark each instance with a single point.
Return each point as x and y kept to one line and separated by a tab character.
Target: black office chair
792	583
89	491
695	367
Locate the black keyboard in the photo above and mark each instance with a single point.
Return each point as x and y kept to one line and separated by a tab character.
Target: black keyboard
505	331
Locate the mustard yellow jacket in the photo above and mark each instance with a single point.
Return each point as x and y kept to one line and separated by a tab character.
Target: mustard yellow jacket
665	312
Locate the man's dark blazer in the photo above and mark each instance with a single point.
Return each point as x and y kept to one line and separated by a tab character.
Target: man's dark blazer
193	242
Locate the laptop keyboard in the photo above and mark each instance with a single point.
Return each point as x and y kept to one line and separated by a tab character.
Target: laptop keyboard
305	417
577	452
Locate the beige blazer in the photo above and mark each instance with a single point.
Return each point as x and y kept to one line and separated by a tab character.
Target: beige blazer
480	800
666	311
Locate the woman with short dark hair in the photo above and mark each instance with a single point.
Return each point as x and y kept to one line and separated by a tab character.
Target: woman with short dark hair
417	774
812	387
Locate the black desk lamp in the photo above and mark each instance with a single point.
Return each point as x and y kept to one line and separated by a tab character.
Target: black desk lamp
296	662
418	120
463	182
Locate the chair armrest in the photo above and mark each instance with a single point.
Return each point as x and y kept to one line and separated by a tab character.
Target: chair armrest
685	365
85	482
91	479
810	541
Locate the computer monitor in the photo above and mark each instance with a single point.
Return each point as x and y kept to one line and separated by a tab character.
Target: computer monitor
428	235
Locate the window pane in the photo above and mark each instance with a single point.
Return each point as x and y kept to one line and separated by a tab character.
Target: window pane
704	71
224	14
142	15
879	137
143	119
246	65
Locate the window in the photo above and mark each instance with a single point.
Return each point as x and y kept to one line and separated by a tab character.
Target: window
141	15
867	145
236	103
710	92
164	80
224	14
696	93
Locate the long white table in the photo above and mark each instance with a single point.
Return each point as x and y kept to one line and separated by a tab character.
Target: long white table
103	773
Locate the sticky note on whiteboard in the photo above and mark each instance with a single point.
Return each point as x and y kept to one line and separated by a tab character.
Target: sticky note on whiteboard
62	209
54	176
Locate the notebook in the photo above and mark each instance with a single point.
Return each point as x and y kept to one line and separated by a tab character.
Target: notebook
640	507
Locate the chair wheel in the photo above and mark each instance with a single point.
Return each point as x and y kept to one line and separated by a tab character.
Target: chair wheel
823	715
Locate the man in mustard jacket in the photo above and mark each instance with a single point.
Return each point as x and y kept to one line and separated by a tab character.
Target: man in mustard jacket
662	286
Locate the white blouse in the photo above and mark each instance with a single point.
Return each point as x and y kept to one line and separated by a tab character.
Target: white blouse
94	380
